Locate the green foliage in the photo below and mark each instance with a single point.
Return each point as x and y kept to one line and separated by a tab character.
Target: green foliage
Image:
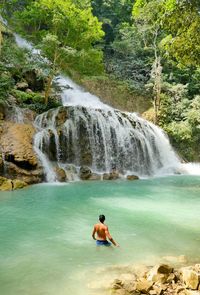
112	13
181	20
34	101
27	98
64	31
6	83
129	60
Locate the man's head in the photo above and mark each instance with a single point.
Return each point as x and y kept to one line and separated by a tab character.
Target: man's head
102	218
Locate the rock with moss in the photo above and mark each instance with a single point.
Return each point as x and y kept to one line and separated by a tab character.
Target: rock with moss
18	184
20	160
60	173
5	184
132	177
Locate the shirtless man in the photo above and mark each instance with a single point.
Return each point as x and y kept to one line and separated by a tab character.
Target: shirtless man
102	232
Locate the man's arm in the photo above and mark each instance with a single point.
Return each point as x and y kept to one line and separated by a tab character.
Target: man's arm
110	238
93	233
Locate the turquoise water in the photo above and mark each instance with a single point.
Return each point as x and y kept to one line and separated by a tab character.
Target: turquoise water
45	231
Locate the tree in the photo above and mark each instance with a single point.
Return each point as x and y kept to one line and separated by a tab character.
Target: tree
181	20
146	15
112	13
66	33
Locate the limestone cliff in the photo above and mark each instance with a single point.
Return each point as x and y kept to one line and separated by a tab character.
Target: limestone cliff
19	160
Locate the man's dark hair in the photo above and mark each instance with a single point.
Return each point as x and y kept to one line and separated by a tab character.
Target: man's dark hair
102	218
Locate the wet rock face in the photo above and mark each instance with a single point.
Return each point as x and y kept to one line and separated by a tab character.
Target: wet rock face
61	175
85	173
132	177
9	184
113	175
100	139
18	157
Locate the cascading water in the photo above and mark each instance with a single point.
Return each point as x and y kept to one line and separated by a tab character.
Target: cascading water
85	131
103	139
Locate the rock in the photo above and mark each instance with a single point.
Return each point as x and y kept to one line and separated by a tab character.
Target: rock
29	91
120	292
2	110
85	173
117	284
22	85
190	277
191	292
140	270
171	278
60	173
197	267
9	184
111	176
19	158
18	184
95	176
132	177
34	80
62	116
144	286
17	145
71	172
5	184
159	273
30	177
157	289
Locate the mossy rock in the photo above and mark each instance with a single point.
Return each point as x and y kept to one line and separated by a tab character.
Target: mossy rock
7	184
18	184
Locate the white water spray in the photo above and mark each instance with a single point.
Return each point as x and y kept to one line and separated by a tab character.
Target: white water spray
124	140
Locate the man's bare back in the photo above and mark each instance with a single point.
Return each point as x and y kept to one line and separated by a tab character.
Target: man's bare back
102	232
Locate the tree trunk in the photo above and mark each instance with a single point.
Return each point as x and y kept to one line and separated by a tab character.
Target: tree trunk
48	89
157	88
157	73
1	37
50	78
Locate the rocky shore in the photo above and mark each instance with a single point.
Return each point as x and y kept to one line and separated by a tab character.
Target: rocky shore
160	279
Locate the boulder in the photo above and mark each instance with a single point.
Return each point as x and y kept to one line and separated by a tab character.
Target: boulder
34	80
22	85
144	286
85	173
95	176
71	172
5	184
30	177
190	277
2	110
17	145
18	184
60	173
117	284
19	158
159	273
132	177
111	176
9	184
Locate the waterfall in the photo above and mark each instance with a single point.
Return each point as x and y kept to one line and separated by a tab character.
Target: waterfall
86	131
103	139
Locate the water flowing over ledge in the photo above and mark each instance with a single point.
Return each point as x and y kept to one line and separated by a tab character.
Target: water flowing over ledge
85	131
103	139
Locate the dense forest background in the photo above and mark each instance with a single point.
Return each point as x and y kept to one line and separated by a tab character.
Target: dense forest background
144	48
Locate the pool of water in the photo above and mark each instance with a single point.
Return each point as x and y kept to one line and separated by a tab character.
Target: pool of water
45	231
